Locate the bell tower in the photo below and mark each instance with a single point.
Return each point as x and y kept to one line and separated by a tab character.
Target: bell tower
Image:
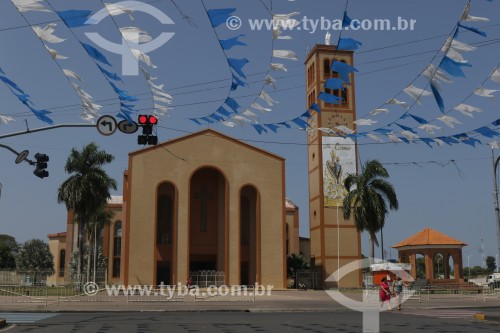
332	155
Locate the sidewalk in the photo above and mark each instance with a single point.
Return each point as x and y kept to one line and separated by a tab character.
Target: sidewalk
279	301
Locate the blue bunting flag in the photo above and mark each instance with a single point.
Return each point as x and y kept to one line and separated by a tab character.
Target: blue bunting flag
227	44
419	120
232	104
348	44
237	82
472	29
41	115
95	54
427	141
220	16
11	84
452	67
343	69
75	18
406	128
329	98
224	112
315	107
335	84
487	132
237	65
272	127
438	97
259	128
216	117
109	75
346	21
300	122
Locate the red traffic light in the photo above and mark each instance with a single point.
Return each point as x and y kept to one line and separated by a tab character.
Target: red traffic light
143	119
147	120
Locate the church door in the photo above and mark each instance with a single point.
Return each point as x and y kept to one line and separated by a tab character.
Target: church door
207	220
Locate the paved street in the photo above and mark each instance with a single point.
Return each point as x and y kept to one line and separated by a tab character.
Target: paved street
344	321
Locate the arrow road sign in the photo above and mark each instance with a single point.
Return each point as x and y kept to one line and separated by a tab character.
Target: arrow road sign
128	127
106	125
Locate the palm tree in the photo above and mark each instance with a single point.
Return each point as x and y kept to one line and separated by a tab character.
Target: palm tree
368	196
101	218
87	189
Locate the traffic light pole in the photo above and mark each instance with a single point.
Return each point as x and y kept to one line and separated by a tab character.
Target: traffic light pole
15	152
41	129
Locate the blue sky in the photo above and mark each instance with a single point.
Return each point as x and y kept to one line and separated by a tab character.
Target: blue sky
452	197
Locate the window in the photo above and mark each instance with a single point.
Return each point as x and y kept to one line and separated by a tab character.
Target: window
62	262
326	69
117	248
343	94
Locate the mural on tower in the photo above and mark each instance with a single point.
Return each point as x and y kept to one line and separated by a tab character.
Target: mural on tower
339	159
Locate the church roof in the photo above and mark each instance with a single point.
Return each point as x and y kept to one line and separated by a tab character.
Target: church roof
59	234
207	132
429	236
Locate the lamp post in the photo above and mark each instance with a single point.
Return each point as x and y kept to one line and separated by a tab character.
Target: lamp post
468	265
495	196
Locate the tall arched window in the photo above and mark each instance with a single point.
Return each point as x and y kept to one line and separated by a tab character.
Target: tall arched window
117	248
62	262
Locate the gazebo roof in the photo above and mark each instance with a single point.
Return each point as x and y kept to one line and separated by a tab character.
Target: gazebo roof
429	236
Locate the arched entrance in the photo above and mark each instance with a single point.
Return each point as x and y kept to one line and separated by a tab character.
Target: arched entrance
249	216
207	221
165	224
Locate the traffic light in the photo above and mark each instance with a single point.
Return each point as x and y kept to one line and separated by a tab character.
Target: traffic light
147	122
41	165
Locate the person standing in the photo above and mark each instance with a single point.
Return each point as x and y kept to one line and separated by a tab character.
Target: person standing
397	289
385	293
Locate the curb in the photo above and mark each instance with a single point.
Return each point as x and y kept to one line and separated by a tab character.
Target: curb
482	316
3	323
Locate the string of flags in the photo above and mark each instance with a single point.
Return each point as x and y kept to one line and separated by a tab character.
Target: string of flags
451	65
229	113
79	18
23	98
339	83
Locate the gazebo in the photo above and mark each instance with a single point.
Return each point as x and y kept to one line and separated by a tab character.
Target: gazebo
433	256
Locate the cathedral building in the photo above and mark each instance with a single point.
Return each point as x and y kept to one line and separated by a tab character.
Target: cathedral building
207	201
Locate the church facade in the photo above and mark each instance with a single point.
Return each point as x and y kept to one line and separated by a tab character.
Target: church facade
210	202
200	202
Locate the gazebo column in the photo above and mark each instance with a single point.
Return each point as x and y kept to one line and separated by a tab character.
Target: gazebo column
429	271
413	264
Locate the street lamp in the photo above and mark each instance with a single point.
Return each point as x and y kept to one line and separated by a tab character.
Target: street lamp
468	265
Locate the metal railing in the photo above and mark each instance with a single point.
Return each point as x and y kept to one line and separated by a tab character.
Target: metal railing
205	279
23	294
